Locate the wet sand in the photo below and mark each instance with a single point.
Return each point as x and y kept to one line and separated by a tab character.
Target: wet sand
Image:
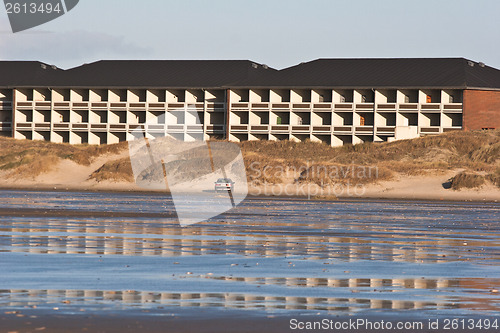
131	322
119	262
428	187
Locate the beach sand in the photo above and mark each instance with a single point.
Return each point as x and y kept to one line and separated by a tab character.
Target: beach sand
70	176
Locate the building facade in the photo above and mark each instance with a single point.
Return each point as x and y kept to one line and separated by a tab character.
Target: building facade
336	101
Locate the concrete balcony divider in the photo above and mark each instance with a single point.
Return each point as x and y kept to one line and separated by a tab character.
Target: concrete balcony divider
322	107
80	105
117	105
99	105
61	126
364	129
43	105
280	128
239	127
365	107
260	106
80	127
194	128
118	127
386	129
216	107
25	105
157	106
197	106
176	106
451	129
301	128
215	128
240	107
281	106
387	107
301	106
264	128
62	105
24	126
137	106
99	127
342	129
457	107
431	107
45	126
176	128
344	107
5	126
432	129
5	105
322	128
408	107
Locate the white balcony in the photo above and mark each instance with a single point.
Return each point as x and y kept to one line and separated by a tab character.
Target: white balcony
5	105
301	129
454	107
280	128
366	107
387	107
281	106
43	105
42	126
301	106
386	129
216	129
344	107
363	129
430	130
176	106
436	107
176	128
408	107
24	126
240	106
99	127
215	107
239	128
25	105
260	106
118	105
80	105
61	105
99	105
325	107
80	127
322	129
343	129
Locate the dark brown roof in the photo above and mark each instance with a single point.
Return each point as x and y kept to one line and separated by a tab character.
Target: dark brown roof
28	73
165	73
384	73
458	73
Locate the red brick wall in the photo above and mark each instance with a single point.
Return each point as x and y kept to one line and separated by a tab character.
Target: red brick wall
481	109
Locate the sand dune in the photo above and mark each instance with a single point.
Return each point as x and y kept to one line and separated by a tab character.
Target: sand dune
409	169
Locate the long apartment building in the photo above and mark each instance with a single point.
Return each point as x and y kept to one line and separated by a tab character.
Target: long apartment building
336	101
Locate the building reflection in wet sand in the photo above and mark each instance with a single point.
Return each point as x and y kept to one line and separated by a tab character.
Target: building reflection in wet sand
26	298
142	239
336	232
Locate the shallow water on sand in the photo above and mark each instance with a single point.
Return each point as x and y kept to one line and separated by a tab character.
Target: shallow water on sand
99	251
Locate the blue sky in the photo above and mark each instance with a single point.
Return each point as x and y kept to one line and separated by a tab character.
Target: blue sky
275	32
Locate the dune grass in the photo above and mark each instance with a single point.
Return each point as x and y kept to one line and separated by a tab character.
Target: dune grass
118	170
474	151
467	180
271	162
26	158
